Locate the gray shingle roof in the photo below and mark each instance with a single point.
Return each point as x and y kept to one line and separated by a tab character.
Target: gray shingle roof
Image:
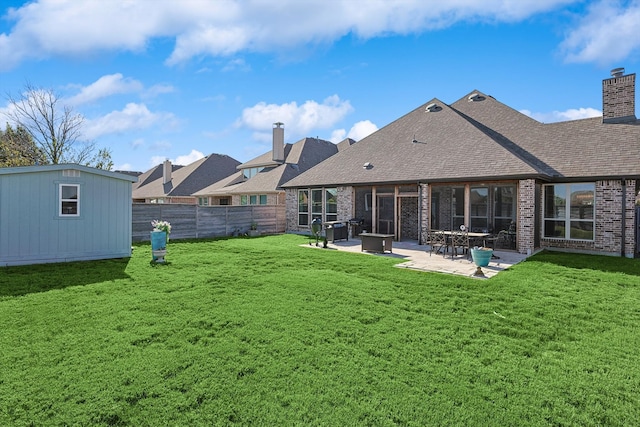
299	157
186	180
483	139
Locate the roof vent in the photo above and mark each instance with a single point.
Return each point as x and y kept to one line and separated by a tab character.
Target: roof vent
617	72
433	107
367	166
476	97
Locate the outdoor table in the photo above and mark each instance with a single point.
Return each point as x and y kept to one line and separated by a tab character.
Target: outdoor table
471	234
376	242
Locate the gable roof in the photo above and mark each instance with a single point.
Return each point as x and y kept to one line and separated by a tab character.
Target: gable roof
185	180
480	138
66	166
299	157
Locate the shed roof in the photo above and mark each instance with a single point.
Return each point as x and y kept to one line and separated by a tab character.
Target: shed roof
66	166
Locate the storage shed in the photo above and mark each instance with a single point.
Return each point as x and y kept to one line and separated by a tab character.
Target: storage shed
59	213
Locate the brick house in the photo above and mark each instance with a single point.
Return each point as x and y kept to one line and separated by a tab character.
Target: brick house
258	181
565	186
168	183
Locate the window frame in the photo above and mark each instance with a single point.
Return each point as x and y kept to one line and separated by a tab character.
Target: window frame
62	200
566	213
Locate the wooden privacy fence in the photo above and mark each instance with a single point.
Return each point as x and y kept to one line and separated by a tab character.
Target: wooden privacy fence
193	221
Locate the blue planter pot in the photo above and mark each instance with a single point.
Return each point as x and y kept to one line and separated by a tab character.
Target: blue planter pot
481	257
158	245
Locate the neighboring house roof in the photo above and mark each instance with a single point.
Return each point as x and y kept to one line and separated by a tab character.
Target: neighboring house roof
185	180
299	157
67	166
481	139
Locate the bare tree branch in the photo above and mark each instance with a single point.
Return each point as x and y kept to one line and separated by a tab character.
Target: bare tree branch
56	129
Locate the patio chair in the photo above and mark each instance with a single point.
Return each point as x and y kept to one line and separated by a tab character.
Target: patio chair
437	241
460	242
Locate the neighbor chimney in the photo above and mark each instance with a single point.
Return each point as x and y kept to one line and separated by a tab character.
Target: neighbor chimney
619	97
166	172
278	142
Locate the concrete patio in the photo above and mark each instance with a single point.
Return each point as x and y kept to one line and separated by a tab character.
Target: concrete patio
417	257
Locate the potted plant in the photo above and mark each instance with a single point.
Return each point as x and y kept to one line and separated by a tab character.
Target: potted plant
159	239
253	230
481	257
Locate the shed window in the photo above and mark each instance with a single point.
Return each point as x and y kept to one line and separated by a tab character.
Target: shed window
69	200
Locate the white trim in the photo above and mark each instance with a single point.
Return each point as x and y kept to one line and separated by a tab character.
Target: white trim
62	200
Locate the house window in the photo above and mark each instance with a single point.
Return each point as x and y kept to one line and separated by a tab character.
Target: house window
225	201
303	207
322	203
316	204
253	200
250	172
243	199
263	199
569	211
331	204
69	200
203	201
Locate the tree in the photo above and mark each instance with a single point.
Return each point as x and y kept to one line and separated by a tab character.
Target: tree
56	128
17	148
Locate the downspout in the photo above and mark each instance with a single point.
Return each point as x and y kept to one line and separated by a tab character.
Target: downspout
419	214
624	217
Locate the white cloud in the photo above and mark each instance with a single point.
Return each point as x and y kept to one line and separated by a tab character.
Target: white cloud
562	116
180	160
188	158
357	132
105	86
133	116
299	120
46	28
608	33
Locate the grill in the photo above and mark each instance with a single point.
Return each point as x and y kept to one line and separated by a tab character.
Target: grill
356	226
336	230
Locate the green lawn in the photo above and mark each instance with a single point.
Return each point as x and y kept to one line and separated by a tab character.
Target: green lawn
265	332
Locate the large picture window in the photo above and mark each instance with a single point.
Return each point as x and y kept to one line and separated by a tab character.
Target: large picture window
569	211
320	203
69	200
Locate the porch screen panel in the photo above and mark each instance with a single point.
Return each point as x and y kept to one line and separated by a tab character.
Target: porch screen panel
457	207
479	209
331	204
303	207
504	210
316	204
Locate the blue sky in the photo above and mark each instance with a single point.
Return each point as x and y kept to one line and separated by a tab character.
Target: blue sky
178	80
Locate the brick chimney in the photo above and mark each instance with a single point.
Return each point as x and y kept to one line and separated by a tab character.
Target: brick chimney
278	142
166	172
619	97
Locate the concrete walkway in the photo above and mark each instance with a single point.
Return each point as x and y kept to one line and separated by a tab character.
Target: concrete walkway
417	257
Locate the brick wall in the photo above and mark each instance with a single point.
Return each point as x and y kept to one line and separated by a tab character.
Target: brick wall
526	216
608	231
